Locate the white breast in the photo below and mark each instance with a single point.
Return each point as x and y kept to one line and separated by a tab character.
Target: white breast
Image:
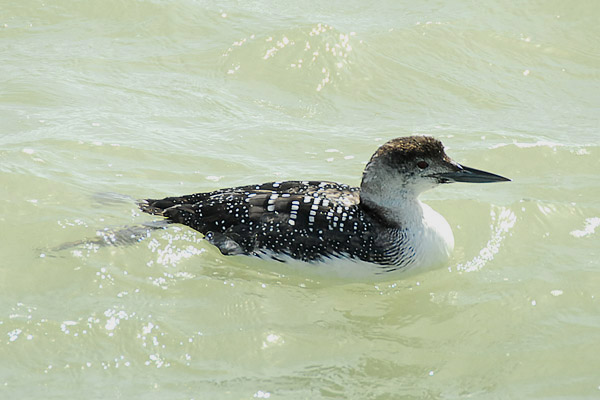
432	238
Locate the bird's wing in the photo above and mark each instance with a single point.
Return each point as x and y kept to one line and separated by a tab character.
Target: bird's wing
298	218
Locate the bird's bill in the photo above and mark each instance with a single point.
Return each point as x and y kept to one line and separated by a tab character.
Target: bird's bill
470	175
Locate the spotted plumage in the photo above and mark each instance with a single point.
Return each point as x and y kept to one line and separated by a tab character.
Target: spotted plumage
382	222
306	220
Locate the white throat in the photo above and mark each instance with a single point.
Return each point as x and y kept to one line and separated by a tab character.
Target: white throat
429	233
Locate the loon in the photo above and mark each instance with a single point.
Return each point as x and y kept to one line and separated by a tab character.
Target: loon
382	222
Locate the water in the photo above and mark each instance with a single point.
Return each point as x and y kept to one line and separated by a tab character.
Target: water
102	102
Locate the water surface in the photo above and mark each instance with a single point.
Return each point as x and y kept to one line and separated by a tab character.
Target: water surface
103	102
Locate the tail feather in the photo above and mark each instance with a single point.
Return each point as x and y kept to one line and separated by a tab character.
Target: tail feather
158	206
151	206
174	210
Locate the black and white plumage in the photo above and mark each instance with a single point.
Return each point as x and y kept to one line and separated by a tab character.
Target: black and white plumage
305	220
382	223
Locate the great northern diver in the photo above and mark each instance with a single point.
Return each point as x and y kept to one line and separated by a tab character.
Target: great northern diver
382	223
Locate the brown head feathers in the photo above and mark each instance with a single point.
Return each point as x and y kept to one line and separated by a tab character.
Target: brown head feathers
411	147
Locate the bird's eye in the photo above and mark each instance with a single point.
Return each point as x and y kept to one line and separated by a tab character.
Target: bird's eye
422	164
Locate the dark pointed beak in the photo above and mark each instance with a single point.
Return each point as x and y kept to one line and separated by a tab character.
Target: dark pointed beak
470	175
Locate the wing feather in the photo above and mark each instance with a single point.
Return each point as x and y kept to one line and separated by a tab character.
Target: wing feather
307	220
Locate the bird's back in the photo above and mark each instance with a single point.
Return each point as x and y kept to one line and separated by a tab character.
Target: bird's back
305	220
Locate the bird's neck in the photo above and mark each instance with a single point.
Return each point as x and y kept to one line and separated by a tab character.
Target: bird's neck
393	209
428	233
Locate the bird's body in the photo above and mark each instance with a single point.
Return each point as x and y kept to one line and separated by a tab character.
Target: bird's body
382	224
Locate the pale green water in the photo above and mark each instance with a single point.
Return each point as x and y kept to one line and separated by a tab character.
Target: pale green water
157	98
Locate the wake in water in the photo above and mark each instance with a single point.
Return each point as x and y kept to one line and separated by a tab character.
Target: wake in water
119	236
123	236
